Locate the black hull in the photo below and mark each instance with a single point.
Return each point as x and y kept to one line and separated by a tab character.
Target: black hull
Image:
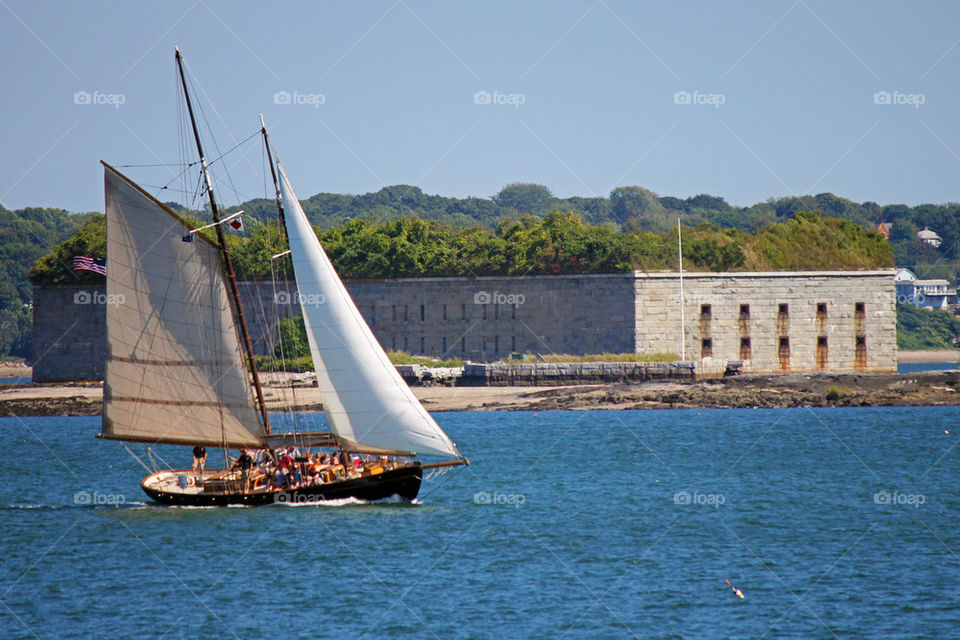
403	482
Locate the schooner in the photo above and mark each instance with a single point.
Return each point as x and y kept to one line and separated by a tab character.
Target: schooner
181	370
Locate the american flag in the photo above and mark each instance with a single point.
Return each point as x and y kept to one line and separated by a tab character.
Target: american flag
86	263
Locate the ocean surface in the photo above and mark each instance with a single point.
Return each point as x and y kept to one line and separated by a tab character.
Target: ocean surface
911	367
833	523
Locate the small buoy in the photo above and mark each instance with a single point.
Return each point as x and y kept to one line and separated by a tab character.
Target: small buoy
535	414
946	431
736	591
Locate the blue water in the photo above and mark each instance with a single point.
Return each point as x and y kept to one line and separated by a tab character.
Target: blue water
911	367
20	380
835	523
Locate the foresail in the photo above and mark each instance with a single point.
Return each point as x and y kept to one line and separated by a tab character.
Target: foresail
366	401
175	370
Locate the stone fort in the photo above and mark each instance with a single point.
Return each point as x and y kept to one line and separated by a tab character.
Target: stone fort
759	322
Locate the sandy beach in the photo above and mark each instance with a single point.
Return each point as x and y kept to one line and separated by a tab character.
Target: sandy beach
925	388
916	357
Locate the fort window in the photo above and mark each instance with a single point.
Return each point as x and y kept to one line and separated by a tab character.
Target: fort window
513	342
423	312
860	355
705	316
406	343
783	353
744	348
783	318
443	310
422	350
483	315
406	313
513	312
463	344
821	317
706	348
496	311
393	343
463	312
821	352
443	348
396	315
744	319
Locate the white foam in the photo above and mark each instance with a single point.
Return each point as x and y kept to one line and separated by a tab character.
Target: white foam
339	502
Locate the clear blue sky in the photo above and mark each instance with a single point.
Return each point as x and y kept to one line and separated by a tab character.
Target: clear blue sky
598	82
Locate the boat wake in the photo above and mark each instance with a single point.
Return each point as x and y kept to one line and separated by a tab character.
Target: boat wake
340	502
89	507
349	502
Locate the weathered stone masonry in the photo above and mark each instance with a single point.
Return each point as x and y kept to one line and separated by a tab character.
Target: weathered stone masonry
835	321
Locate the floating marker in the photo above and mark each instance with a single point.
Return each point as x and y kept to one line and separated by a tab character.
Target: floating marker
736	591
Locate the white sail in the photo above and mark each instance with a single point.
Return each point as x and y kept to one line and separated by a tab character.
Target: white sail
366	401
175	371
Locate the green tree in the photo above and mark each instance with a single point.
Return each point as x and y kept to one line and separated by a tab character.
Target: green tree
293	341
525	197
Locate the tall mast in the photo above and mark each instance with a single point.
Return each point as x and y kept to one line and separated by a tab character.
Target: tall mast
683	331
227	262
273	171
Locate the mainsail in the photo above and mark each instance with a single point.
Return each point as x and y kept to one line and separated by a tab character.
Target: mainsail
367	403
175	370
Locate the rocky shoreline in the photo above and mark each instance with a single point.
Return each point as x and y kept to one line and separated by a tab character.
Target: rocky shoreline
745	391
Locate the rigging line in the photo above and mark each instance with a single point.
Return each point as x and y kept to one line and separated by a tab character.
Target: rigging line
233	148
199	88
181	149
137	458
265	158
165	187
139	166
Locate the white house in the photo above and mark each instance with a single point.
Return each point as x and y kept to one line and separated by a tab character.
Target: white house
932	294
929	237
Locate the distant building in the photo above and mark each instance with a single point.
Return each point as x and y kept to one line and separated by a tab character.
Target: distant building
929	237
759	322
932	294
884	229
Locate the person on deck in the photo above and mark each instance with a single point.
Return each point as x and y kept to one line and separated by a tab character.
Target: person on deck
286	462
244	463
199	460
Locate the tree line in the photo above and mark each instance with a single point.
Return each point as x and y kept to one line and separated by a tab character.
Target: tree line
558	243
